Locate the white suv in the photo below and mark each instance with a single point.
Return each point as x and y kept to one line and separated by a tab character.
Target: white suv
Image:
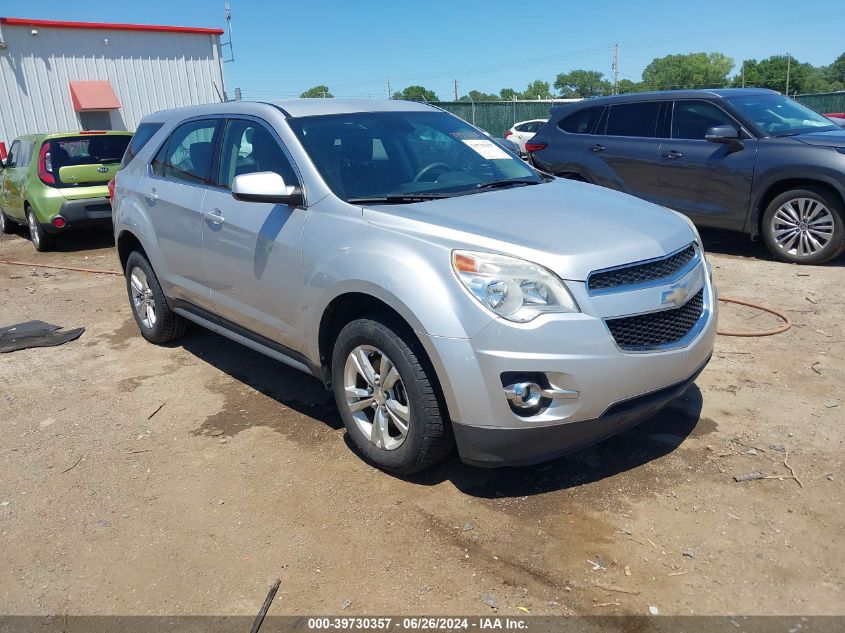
523	131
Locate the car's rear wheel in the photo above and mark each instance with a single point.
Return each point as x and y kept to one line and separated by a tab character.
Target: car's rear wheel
6	225
41	240
157	322
387	396
805	226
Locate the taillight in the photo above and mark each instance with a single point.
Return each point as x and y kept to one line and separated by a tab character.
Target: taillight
93	132
508	133
45	166
535	147
111	191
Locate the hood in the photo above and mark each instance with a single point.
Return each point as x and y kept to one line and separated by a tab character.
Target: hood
570	227
830	138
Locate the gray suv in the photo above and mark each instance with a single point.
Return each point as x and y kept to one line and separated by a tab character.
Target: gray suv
442	289
747	160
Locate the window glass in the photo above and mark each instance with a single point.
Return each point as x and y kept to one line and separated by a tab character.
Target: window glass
581	122
12	156
692	119
633	119
249	147
24	156
779	115
157	164
189	152
143	134
379	154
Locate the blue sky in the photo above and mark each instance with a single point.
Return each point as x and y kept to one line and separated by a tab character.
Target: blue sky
353	46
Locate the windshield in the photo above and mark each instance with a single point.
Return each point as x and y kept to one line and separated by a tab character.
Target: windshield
374	155
780	116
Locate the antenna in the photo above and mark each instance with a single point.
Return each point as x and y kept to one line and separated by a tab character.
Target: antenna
228	13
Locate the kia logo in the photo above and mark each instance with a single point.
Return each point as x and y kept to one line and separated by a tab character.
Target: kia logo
103	170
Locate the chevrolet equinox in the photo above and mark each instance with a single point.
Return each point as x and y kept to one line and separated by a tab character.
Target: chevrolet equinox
445	291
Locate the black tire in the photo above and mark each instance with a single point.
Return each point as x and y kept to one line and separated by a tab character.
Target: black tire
167	325
771	222
6	224
429	437
41	240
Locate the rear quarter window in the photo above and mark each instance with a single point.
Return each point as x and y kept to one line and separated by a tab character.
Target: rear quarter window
581	122
143	134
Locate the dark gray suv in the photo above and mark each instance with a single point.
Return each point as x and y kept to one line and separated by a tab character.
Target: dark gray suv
748	160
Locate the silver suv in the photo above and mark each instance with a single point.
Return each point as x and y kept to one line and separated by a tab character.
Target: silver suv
445	292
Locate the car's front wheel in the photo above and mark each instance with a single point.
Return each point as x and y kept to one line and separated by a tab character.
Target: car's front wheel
41	240
387	395
157	322
805	226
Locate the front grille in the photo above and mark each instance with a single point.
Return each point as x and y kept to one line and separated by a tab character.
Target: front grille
657	328
641	273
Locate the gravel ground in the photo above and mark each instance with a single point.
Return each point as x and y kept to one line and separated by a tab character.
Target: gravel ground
137	479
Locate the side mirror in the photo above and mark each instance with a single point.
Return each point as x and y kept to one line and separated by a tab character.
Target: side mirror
726	134
265	186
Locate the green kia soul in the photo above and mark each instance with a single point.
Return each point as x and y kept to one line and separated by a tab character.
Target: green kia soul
55	183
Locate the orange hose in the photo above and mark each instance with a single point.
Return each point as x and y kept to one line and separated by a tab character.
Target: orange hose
783	328
79	270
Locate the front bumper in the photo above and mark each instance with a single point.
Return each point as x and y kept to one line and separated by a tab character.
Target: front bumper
82	214
616	389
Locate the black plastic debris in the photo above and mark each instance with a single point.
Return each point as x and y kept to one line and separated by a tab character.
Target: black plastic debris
35	334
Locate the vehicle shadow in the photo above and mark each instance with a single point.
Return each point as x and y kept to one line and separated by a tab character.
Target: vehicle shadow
651	440
74	241
738	245
287	386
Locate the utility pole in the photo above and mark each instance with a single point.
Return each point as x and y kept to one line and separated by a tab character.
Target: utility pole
788	64
456	89
237	94
615	69
743	73
389	92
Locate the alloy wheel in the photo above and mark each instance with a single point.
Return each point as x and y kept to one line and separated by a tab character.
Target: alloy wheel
376	397
802	227
2	222
143	300
34	235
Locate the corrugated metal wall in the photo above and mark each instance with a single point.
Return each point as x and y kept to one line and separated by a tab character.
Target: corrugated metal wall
148	71
824	101
496	117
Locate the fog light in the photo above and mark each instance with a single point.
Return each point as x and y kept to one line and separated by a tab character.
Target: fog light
59	222
524	395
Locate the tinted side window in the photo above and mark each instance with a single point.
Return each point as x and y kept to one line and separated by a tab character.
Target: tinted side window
189	152
249	147
692	119
143	134
633	119
157	164
24	155
581	122
12	157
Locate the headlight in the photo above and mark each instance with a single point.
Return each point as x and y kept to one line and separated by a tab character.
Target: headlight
512	288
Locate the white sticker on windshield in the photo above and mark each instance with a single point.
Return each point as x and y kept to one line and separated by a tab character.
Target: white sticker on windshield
487	149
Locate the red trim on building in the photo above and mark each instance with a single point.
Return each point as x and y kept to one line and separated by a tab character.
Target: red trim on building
105	26
93	95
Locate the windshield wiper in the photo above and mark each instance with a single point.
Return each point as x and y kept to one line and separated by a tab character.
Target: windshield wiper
504	182
400	198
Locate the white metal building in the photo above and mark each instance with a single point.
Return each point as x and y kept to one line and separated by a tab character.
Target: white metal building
64	76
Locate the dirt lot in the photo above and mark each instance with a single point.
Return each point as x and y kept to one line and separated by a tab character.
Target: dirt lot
243	475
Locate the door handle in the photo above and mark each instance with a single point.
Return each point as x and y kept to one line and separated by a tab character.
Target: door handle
672	154
597	148
152	195
215	216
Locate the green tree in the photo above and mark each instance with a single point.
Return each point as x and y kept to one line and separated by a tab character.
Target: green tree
582	83
508	94
626	85
537	89
695	70
771	73
317	92
836	71
475	95
416	93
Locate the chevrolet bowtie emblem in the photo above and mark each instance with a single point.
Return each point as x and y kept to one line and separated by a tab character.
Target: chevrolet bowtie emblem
675	295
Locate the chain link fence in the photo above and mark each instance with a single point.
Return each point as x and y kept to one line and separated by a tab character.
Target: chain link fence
496	117
824	101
